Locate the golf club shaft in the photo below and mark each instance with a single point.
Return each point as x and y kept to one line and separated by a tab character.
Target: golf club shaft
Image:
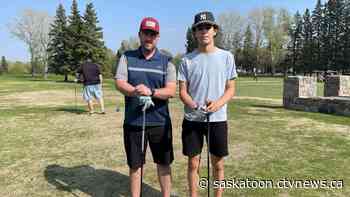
208	153
143	146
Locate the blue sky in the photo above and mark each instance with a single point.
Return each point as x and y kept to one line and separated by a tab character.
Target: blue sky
120	19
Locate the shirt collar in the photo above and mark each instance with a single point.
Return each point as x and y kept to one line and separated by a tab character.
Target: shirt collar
155	56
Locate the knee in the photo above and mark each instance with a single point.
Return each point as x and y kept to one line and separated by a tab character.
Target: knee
219	166
164	169
193	164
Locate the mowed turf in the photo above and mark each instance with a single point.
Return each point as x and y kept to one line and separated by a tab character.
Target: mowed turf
50	147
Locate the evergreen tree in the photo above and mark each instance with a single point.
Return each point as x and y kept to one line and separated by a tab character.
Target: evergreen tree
333	29
340	24
316	35
75	38
191	42
295	44
346	37
92	39
58	50
93	35
4	65
307	46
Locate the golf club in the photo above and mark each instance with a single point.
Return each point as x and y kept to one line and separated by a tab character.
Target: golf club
208	152
143	145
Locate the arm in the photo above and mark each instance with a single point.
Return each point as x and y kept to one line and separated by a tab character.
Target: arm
185	97
161	93
125	88
167	92
229	93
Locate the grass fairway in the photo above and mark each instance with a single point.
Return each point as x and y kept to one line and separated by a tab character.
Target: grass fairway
47	148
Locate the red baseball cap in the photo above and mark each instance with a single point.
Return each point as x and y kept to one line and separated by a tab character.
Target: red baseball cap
149	23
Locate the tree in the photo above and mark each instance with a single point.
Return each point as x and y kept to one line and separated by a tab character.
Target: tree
32	27
191	42
346	37
232	26
75	43
295	43
307	50
256	18
93	36
275	25
317	20
4	65
58	46
248	50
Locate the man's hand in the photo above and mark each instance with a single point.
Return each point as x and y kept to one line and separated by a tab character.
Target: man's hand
143	90
212	106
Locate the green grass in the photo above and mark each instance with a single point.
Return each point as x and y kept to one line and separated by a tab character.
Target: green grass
53	150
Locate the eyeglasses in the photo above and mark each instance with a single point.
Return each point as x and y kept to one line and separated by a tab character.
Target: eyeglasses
203	27
149	33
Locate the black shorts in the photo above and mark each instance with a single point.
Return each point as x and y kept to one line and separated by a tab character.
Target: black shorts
159	139
193	134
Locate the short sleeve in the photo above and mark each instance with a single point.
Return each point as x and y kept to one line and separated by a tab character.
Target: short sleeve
231	68
171	73
122	69
182	72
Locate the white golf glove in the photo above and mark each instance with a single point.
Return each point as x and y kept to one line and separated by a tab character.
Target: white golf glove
146	101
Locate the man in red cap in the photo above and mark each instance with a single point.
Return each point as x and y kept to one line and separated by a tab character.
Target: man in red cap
147	78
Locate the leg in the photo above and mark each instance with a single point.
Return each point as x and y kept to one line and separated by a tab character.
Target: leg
164	177
102	105
135	178
218	172
135	158
160	141
98	94
192	174
192	143
90	106
218	150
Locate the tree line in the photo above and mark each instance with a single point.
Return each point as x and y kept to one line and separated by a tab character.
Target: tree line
268	39
271	40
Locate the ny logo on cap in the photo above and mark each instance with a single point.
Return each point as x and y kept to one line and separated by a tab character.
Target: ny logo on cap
150	24
203	17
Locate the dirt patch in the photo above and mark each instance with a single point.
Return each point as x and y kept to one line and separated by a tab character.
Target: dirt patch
50	98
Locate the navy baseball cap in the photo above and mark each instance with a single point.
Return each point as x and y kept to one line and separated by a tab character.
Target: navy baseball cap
204	18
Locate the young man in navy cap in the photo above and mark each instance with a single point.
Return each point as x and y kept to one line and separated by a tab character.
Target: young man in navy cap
207	81
146	73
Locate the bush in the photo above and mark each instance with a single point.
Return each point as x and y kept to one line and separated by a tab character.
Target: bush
19	68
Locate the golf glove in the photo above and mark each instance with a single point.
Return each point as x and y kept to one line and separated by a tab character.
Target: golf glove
198	114
146	102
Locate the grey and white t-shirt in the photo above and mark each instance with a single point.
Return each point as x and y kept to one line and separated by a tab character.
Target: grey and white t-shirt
206	75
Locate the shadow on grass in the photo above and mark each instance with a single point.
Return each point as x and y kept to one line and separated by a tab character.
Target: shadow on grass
71	110
269	106
91	181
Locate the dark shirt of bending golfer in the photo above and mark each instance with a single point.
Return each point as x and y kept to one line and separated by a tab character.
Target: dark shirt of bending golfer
90	72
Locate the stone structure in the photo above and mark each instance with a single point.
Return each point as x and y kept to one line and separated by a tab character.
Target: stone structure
298	86
338	85
300	93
